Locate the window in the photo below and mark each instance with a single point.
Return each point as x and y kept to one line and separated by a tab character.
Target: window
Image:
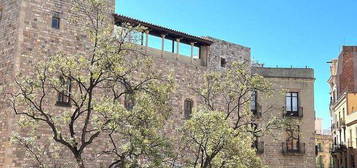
129	101
292	103
56	21
223	62
253	103
293	139
188	104
356	138
258	145
320	163
64	95
319	147
1	14
350	141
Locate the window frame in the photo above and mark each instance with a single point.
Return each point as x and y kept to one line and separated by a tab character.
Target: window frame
129	101
293	141
254	100
1	13
56	16
188	106
223	62
292	102
64	96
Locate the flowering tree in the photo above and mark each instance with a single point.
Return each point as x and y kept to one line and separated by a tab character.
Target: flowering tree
109	90
113	102
222	129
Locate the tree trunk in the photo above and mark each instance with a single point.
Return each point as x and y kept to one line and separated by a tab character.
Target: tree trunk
79	161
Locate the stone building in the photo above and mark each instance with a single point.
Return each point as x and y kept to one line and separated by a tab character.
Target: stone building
42	27
292	99
323	142
323	149
343	107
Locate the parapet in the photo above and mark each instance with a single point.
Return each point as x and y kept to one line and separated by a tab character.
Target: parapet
269	72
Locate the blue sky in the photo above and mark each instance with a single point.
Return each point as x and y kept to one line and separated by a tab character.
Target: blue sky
286	33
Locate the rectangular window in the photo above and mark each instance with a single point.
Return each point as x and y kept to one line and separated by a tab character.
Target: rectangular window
1	13
293	139
223	62
64	95
188	105
253	104
129	101
56	21
292	102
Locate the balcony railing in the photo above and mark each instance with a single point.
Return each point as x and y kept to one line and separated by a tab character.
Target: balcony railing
259	146
338	148
293	148
299	113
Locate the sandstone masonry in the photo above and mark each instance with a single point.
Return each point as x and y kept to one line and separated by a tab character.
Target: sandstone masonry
25	27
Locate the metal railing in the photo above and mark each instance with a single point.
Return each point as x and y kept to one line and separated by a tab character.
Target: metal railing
338	148
299	113
294	148
350	143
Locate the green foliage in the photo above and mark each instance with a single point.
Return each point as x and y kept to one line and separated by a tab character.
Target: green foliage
212	142
120	103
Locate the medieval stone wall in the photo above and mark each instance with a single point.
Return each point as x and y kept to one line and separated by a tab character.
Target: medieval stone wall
9	28
25	29
228	51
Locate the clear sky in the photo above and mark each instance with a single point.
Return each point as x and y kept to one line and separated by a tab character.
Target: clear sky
286	33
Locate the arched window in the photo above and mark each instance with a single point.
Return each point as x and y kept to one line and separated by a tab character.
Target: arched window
188	104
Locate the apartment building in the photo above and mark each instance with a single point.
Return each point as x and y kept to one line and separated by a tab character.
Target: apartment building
343	104
42	27
293	98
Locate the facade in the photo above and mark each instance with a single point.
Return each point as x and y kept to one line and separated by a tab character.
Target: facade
323	142
42	28
343	104
323	148
318	125
289	148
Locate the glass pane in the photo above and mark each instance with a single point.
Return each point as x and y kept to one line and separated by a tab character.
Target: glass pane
288	103
253	102
252	105
295	104
55	22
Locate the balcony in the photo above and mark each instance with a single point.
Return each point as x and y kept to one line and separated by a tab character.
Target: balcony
297	114
259	146
293	148
338	148
350	143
